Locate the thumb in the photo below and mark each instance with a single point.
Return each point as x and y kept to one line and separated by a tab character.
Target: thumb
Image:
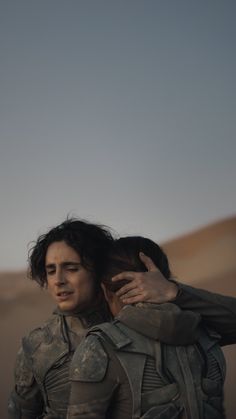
147	261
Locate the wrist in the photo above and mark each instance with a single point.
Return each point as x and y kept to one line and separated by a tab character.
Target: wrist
173	291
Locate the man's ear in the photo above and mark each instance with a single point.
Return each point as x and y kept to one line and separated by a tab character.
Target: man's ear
108	294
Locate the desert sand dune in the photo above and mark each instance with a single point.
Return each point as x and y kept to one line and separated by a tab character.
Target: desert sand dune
203	258
205	253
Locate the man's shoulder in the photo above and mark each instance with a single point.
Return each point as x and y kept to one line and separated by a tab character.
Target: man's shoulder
41	334
90	361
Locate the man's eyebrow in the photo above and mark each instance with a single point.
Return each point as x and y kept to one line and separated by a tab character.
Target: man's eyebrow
50	265
71	263
67	263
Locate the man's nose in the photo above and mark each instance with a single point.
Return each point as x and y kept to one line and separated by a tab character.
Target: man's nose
60	278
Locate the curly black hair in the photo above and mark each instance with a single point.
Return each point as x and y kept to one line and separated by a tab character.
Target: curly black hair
90	241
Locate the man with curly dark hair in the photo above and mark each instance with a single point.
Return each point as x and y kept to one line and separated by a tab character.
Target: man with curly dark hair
69	261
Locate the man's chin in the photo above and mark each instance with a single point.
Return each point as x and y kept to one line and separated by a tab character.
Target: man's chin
66	306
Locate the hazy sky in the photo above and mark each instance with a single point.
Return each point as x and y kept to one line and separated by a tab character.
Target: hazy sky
121	112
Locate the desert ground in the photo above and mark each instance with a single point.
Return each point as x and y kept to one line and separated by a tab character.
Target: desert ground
204	258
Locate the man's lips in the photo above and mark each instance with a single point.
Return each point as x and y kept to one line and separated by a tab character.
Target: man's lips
63	295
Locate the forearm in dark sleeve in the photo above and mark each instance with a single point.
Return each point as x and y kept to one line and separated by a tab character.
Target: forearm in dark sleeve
218	311
164	322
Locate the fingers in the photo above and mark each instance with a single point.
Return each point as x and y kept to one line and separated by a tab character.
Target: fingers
127	288
132	300
124	275
132	293
150	265
136	282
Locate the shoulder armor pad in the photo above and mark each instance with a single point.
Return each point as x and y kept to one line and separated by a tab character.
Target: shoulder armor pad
41	334
115	331
90	361
35	338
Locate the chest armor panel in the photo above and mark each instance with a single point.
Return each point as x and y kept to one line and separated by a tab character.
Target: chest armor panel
50	355
170	381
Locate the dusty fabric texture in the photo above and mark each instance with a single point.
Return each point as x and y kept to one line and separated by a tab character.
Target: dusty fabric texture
218	312
30	398
165	381
42	366
166	322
